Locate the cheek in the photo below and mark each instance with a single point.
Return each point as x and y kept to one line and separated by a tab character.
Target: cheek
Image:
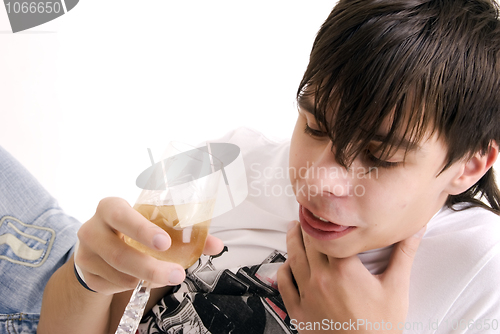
388	198
293	163
390	187
297	168
399	206
298	151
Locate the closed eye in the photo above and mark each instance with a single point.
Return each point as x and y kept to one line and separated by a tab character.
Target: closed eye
315	133
381	163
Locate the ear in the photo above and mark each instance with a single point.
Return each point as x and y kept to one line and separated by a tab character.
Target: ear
473	169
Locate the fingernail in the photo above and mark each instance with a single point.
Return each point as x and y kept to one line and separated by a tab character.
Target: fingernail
161	241
176	277
420	233
291	225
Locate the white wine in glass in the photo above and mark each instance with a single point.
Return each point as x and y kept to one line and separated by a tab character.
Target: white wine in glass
179	196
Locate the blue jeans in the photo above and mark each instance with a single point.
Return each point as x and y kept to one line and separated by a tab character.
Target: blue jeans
36	238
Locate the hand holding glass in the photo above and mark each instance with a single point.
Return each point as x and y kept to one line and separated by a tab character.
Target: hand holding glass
179	194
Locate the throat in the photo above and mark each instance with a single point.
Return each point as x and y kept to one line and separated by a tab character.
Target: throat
376	260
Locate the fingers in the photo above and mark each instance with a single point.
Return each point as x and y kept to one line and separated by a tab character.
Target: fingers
287	288
213	245
297	258
129	261
302	245
399	268
314	257
120	216
108	263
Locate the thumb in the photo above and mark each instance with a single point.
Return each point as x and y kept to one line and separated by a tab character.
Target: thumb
399	268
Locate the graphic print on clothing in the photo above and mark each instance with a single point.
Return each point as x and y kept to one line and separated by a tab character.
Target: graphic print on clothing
244	300
25	244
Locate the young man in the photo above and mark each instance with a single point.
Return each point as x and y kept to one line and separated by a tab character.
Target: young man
397	131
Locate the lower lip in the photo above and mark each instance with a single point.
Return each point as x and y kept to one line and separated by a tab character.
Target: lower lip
306	219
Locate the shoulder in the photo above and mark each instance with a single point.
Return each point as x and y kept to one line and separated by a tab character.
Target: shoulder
473	241
249	137
475	224
456	272
463	241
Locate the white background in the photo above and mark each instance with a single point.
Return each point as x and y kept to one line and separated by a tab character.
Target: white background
84	96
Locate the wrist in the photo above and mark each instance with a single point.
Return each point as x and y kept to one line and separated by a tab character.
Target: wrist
80	277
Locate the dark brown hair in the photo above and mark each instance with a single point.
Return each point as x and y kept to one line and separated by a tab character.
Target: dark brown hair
427	65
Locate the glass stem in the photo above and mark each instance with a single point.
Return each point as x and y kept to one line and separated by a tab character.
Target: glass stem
135	309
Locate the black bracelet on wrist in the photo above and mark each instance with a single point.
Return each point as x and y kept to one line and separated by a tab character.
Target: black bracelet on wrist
80	280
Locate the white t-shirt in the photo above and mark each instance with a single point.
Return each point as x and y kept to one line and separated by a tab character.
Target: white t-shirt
454	285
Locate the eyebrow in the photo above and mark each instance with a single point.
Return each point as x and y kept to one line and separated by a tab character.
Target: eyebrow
400	143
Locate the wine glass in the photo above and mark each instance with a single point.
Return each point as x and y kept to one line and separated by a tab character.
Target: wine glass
178	195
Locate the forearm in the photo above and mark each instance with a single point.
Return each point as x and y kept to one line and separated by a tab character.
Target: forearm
68	307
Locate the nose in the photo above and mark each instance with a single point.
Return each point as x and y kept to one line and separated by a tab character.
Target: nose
326	177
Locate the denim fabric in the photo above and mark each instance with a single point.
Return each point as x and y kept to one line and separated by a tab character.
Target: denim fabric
36	238
19	323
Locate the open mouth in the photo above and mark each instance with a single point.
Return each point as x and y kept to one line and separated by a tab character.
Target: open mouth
320	228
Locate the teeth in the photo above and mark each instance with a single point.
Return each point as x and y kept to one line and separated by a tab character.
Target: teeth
321	218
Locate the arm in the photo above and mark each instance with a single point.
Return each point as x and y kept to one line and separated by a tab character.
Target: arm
78	309
69	308
110	267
